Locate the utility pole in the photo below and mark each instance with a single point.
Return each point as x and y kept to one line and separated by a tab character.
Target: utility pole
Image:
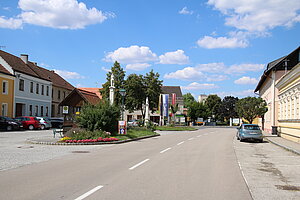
285	65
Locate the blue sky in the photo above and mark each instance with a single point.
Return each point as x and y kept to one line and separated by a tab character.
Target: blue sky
206	47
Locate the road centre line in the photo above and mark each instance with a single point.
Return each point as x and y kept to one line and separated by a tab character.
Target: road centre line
89	192
163	151
199	136
180	143
191	138
135	166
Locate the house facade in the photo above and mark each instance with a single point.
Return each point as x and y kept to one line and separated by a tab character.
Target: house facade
289	105
268	90
6	92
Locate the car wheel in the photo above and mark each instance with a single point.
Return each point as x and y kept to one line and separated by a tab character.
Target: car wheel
9	128
237	138
30	127
241	140
42	127
261	141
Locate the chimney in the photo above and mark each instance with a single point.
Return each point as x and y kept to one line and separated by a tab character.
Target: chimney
24	58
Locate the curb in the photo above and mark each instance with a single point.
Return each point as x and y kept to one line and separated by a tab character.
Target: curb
284	147
94	143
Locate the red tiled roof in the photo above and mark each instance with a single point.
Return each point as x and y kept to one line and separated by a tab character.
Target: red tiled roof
90	97
4	71
94	90
33	70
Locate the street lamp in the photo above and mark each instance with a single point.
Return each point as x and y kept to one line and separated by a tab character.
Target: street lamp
122	93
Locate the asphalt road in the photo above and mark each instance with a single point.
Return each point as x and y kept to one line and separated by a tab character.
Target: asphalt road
177	165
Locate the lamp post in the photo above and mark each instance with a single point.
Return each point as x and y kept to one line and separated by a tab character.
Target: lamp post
122	93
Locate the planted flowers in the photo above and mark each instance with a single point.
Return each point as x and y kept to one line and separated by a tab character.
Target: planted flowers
100	139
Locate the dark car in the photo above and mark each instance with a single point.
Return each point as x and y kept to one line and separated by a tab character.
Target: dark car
9	124
29	122
249	132
57	122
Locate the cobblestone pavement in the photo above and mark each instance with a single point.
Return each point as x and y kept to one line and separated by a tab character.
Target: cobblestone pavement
270	171
16	151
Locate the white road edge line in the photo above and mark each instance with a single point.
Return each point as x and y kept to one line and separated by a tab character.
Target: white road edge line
89	192
180	143
135	166
191	139
163	151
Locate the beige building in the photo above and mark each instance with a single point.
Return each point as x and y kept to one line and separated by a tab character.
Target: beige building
268	90
289	105
202	98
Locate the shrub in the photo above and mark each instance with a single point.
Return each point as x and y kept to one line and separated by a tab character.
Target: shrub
102	116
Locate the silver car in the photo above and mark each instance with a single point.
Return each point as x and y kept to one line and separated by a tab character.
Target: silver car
249	132
45	122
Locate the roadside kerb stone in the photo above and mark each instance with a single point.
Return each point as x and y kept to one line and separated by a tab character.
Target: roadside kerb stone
283	146
90	143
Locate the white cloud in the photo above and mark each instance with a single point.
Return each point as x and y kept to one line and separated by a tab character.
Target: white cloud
11	23
222	42
132	54
105	69
212	71
177	57
68	75
185	11
137	66
259	15
245	80
198	86
242	68
61	14
240	94
188	73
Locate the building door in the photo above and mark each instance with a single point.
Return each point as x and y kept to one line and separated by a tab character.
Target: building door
19	109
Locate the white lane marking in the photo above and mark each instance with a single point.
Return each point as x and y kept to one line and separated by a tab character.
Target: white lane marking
191	139
89	192
163	151
199	135
205	134
180	143
135	166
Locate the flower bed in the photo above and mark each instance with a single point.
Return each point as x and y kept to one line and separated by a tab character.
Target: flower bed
100	139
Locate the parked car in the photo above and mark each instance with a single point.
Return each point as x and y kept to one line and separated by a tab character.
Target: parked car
29	122
249	132
9	124
57	122
132	123
45	122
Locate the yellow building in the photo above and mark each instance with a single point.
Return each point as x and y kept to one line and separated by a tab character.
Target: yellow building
289	104
6	93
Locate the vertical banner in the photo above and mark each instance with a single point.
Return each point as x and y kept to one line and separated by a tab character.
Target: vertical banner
173	99
166	105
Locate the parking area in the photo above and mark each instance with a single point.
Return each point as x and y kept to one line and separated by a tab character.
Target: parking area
16	151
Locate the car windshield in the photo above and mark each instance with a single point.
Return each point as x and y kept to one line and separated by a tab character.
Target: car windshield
251	127
8	119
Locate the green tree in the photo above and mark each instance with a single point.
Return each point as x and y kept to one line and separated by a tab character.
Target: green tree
135	93
102	116
188	98
227	108
251	107
174	110
213	103
197	110
119	75
153	89
139	87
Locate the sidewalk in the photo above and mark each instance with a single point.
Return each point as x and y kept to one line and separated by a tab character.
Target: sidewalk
286	144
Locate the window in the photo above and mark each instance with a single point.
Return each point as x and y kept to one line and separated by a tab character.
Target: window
47	91
42	89
30	110
4	87
21	85
4	109
52	94
36	110
42	111
58	95
37	88
31	87
47	111
58	110
64	94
